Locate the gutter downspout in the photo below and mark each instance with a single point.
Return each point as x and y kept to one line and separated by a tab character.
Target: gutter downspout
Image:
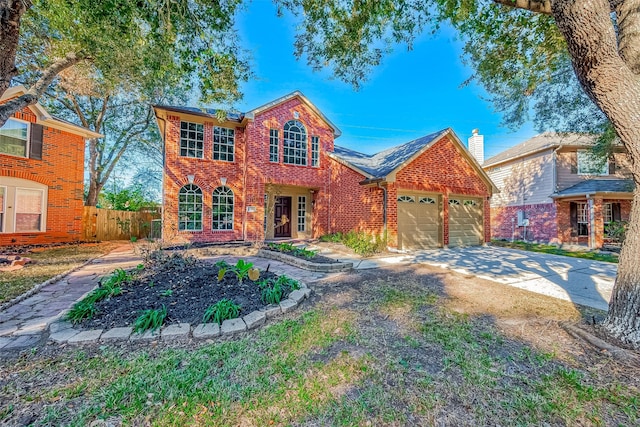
384	210
164	165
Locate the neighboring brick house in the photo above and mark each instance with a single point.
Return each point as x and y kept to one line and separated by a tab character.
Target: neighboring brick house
552	190
274	172
41	176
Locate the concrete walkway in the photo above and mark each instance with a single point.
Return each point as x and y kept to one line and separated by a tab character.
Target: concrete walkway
581	281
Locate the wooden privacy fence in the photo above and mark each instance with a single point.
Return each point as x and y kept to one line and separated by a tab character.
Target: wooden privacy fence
107	224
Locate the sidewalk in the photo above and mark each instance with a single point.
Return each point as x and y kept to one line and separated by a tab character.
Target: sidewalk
24	324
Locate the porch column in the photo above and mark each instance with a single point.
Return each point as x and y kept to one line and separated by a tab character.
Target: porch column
598	222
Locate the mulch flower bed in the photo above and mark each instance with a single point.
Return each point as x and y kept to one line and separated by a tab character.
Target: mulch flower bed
185	285
284	249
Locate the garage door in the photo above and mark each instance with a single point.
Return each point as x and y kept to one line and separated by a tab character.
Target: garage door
418	221
465	221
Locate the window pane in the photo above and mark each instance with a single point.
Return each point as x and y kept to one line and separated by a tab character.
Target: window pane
13	138
28	210
588	164
223	139
191	139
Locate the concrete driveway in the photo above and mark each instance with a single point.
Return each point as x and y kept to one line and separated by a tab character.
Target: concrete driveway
578	280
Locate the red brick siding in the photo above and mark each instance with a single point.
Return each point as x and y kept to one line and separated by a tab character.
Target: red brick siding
353	206
564	220
542	227
248	174
62	170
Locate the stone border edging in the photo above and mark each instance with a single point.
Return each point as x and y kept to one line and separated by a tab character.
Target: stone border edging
307	265
62	331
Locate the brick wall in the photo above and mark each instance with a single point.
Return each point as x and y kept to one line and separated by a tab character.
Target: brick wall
249	173
62	170
564	221
543	226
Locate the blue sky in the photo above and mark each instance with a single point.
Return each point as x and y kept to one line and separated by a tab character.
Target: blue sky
413	93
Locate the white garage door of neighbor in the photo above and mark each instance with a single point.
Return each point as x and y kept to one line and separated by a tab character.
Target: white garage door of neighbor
465	221
418	221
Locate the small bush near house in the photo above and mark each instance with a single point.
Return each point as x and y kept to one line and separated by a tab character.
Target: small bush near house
616	231
221	311
363	244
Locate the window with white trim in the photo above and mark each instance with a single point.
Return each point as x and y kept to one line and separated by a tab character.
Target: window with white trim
190	208
315	151
29	210
3	192
427	200
191	140
588	164
223	143
274	141
302	213
607	213
222	208
583	219
14	137
406	199
295	143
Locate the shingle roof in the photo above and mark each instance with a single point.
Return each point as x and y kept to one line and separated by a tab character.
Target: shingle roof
206	112
379	165
541	142
593	186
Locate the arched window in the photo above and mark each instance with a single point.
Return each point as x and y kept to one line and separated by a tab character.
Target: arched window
222	209
190	208
295	143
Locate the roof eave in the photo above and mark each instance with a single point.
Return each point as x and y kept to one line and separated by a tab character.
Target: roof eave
350	166
609	194
241	119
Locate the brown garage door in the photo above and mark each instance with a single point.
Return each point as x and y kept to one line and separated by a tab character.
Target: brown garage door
418	221
465	221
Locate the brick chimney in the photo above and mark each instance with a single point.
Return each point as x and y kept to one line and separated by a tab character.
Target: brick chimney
476	146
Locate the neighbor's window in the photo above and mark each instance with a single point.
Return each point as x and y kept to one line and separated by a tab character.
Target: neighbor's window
607	213
583	219
315	151
273	146
3	191
191	139
588	164
190	208
14	137
29	209
223	139
295	143
222	209
302	213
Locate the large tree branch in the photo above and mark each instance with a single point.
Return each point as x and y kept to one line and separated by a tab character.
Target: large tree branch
628	20
39	88
544	6
11	12
102	113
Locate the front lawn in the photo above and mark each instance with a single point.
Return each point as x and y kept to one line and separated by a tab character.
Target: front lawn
398	346
555	250
48	263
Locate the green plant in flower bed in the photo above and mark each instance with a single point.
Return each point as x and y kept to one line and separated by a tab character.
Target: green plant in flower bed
119	276
151	319
82	310
274	290
286	281
288	247
86	308
221	311
272	294
222	264
241	269
362	243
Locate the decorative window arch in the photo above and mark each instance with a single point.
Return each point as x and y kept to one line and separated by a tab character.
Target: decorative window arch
295	143
190	208
222	209
427	200
406	199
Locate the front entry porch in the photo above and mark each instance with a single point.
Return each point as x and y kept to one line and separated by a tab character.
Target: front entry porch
288	212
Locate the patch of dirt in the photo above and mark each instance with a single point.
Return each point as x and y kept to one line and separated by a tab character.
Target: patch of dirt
186	286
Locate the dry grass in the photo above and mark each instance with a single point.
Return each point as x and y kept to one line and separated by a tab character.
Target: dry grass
48	263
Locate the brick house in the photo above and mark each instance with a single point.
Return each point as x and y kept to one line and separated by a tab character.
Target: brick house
41	176
552	190
274	172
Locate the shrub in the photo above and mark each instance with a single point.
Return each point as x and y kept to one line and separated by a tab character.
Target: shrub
241	269
272	295
150	320
616	231
362	243
82	310
220	311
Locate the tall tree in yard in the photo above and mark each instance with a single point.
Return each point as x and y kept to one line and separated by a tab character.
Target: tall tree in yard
521	51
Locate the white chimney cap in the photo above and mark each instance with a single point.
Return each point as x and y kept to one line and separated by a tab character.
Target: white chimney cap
475	131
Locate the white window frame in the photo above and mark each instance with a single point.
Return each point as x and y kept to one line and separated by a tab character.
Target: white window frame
583	217
406	199
224	138
183	223
470	202
607	213
199	131
3	209
274	145
225	198
302	213
315	151
585	160
27	142
294	144
427	200
454	202
41	226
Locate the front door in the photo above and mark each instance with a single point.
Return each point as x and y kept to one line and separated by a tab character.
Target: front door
282	217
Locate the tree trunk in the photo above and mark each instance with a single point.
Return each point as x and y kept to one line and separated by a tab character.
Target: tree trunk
611	82
11	12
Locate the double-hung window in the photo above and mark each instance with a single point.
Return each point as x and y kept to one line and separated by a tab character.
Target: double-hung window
223	142
315	151
588	164
14	138
583	219
273	146
191	140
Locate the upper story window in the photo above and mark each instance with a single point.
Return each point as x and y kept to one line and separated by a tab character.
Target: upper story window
295	143
222	208
223	141
588	164
315	151
14	138
274	142
190	208
191	139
